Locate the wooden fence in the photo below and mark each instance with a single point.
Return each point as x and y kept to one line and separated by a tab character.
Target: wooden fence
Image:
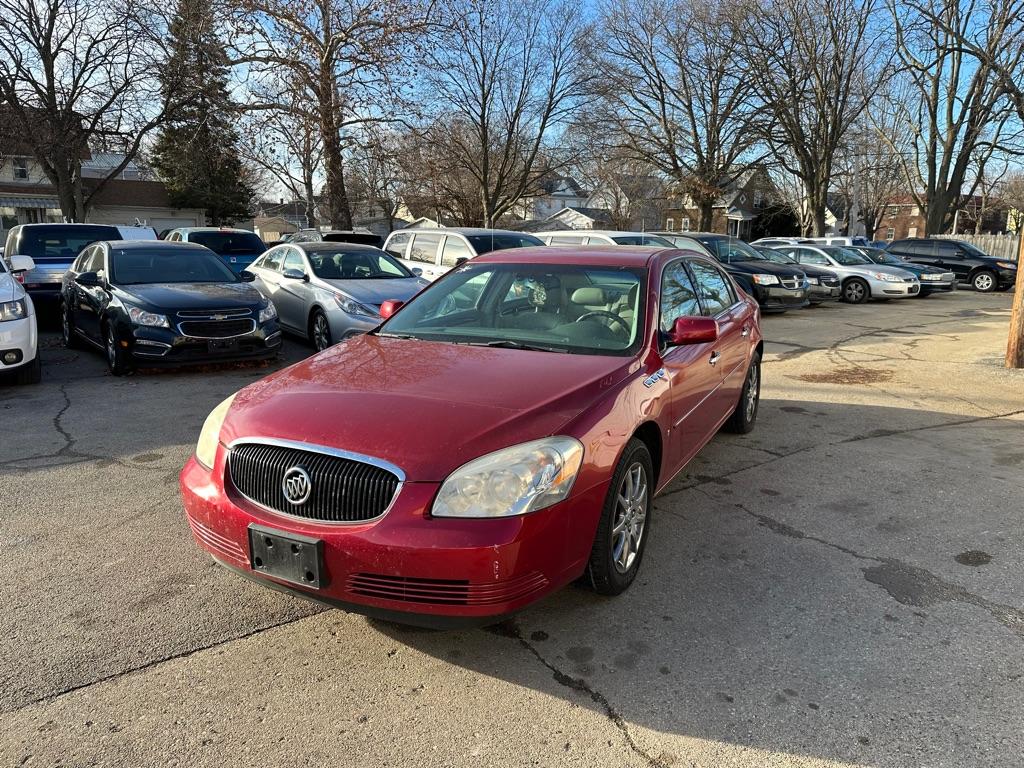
1003	246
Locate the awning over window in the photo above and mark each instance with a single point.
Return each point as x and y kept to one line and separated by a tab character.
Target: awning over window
29	202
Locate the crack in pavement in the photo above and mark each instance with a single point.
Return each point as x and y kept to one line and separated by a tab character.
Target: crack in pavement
905	583
50	697
511	630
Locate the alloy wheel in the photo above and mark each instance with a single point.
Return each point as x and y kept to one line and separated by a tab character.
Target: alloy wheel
111	348
630	517
983	282
321	333
854	292
65	325
753	392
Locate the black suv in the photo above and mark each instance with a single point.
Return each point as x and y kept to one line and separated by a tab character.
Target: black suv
970	265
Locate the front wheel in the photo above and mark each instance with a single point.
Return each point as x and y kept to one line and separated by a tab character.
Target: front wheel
68	335
984	282
621	534
856	291
117	356
745	415
320	331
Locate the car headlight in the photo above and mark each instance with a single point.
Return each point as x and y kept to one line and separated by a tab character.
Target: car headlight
512	481
269	312
812	281
206	448
148	319
886	277
930	276
1006	264
13	310
765	279
350	306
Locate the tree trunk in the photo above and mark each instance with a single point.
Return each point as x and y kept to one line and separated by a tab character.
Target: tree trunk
1015	341
307	183
707	212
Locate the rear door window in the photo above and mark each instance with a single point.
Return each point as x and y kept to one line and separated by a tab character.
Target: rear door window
424	248
453	250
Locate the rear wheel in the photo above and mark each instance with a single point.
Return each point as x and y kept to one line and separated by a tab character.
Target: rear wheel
622	532
68	335
320	330
745	415
32	373
984	281
856	291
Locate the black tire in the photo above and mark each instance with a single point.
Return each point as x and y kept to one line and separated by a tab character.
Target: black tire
744	416
32	373
984	281
320	330
856	291
612	569
67	328
117	358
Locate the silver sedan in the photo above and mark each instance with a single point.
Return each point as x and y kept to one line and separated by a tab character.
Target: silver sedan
326	292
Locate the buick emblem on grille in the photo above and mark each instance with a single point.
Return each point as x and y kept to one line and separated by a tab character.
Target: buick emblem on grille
297	486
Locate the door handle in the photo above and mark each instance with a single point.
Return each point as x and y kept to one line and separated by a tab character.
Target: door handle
746	330
714	358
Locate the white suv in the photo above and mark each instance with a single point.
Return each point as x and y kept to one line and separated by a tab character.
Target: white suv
429	253
19	351
602	237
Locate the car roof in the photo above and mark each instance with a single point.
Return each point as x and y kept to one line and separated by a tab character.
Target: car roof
605	232
461	231
64	224
211	229
330	245
590	255
150	245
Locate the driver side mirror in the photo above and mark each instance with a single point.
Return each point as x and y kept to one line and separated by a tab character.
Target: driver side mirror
389	307
21	263
246	277
294	274
89	280
692	330
417	271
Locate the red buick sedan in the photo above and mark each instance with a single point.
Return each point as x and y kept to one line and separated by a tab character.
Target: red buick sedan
497	437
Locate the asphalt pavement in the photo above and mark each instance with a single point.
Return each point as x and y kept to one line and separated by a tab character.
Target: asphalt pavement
841	587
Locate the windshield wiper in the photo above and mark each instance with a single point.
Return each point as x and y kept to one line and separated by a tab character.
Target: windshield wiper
509	344
395	335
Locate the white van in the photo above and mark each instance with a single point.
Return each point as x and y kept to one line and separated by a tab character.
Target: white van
602	237
429	253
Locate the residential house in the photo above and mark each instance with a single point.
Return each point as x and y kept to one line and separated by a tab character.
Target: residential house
556	194
573	218
635	203
269	228
742	210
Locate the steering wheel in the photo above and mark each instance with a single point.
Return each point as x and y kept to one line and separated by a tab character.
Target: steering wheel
604	313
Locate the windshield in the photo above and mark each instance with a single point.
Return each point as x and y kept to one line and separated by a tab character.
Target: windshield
883	257
564	308
342	264
642	240
228	243
168	265
846	257
499	241
62	242
972	249
728	250
777	256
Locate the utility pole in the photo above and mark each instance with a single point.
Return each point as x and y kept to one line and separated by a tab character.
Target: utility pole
1015	342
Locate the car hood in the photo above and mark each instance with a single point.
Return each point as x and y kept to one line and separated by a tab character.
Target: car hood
917	269
376	292
427	407
174	296
10	289
764	268
872	267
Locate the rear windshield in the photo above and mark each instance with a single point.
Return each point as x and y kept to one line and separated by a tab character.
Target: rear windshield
62	242
500	241
168	265
641	240
229	243
363	238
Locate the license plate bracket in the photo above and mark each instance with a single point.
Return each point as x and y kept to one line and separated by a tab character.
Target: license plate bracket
221	345
290	557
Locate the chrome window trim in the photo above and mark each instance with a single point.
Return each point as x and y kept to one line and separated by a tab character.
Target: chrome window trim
314	448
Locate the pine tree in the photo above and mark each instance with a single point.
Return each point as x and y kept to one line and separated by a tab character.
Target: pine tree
196	152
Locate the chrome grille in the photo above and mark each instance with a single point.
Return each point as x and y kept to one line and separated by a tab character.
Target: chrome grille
344	490
216	329
791	282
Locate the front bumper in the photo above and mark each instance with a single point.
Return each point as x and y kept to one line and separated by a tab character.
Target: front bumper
344	325
1007	278
165	347
20	338
946	284
884	289
778	297
818	293
403	566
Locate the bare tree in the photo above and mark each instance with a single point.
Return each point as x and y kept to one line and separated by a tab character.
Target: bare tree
76	74
673	95
504	75
378	179
1011	193
814	66
956	113
344	56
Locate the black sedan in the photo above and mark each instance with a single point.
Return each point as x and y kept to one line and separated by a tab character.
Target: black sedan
823	284
775	286
151	303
